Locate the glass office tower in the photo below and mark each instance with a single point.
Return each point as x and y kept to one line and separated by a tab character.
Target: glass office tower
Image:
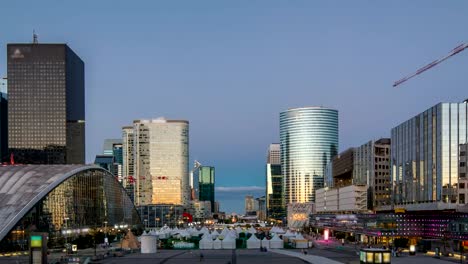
206	185
161	149
3	120
274	184
309	139
46	104
425	154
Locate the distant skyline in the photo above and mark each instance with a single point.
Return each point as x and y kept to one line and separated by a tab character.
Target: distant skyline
230	68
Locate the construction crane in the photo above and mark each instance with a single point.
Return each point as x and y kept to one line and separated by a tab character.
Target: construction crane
455	51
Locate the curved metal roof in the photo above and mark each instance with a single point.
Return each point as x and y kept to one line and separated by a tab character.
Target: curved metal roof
21	187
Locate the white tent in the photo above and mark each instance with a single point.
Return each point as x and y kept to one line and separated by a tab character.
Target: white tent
224	232
204	230
299	236
233	233
206	242
276	242
253	242
252	230
265	243
289	234
238	230
229	242
217	244
279	230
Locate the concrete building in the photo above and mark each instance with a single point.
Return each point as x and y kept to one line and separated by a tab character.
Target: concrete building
275	207
425	156
201	210
161	162
52	129
308	140
372	168
349	199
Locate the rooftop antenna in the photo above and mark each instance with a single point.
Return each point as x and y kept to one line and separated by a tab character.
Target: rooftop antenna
35	41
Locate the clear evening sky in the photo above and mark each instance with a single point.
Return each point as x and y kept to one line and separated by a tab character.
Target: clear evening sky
230	67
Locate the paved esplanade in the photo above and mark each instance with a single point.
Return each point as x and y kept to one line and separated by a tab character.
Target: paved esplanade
209	256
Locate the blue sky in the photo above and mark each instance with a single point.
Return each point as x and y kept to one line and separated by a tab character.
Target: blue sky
230	67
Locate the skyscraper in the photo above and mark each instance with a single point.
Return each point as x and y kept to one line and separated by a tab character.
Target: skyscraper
425	155
112	147
206	185
161	162
309	139
46	123
3	120
274	184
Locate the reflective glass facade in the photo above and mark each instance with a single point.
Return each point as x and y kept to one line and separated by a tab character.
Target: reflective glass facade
309	139
3	124
81	205
161	162
425	154
274	184
46	104
206	184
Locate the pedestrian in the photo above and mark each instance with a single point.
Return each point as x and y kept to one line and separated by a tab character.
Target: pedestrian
201	257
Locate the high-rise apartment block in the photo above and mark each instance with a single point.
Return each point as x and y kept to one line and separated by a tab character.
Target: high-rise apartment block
425	155
275	207
160	161
46	104
206	185
309	139
3	121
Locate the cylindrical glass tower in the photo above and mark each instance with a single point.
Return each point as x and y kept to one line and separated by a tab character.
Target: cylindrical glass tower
309	139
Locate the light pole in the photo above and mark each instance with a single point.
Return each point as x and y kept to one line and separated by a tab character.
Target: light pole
66	233
105	233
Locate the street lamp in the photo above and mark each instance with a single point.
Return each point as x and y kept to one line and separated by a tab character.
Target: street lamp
65	233
106	241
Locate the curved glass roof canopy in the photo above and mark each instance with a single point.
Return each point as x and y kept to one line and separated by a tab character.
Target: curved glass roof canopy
63	200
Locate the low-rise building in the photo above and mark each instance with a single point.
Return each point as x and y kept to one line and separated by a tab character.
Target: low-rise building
349	199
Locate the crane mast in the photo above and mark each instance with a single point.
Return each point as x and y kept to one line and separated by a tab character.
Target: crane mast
455	51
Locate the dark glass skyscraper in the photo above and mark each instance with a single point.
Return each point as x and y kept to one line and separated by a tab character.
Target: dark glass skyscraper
46	107
3	122
206	183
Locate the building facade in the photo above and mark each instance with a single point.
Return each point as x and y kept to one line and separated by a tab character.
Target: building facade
114	148
462	179
372	168
250	208
161	162
3	121
206	185
46	92
425	155
275	207
342	168
349	199
128	167
309	139
65	201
